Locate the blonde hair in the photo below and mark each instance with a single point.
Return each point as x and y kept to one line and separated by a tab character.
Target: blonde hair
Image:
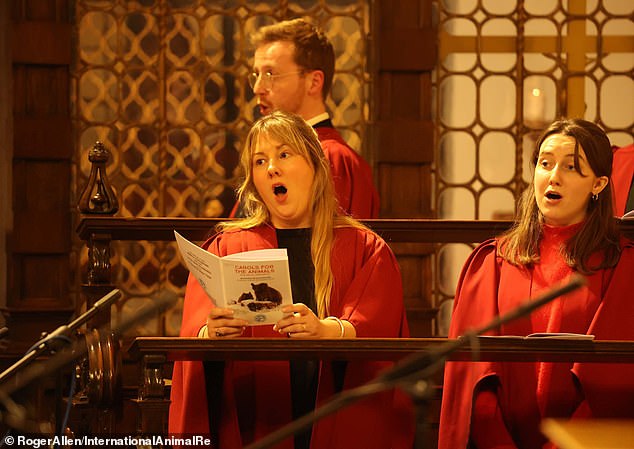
290	129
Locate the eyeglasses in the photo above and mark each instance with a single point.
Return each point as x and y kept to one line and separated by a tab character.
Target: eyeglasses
266	78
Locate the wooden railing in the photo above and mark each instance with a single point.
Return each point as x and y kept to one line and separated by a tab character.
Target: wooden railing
383	349
392	230
410	230
152	353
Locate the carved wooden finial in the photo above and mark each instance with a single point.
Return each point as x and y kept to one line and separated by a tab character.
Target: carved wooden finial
98	197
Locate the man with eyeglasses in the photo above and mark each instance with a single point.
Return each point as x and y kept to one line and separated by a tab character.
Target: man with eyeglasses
293	68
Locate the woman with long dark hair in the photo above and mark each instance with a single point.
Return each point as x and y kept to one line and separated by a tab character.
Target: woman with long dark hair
564	226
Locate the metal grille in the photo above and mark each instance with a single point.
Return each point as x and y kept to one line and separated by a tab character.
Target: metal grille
163	84
506	69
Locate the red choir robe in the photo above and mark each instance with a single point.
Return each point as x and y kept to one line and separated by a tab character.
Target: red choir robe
622	172
367	292
528	392
351	174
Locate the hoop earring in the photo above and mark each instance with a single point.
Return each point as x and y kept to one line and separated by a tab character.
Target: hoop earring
595	197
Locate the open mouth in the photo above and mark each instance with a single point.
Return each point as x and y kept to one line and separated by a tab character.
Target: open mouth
553	196
279	190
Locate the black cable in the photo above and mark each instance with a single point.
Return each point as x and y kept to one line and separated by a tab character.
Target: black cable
69	405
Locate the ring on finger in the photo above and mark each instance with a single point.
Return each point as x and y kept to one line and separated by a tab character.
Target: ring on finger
219	333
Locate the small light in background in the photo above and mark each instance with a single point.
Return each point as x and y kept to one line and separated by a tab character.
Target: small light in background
535	108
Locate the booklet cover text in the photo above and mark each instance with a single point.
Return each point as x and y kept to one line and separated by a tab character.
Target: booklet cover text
255	284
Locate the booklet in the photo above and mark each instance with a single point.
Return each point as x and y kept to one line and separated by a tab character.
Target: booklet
550	335
561	336
628	216
255	284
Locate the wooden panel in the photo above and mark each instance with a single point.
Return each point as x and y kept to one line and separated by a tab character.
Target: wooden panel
407	40
40	10
426	96
409	248
405	95
5	146
415	180
27	325
41	207
405	14
42	43
48	138
406	141
422	322
40	241
403	139
42	281
408	49
415	270
415	262
41	91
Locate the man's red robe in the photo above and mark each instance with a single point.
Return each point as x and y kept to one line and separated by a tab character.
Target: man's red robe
351	174
622	173
367	292
528	392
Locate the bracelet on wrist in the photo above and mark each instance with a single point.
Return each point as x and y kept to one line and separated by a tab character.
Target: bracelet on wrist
203	332
341	328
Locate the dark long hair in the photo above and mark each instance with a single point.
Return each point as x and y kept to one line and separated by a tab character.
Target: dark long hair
598	233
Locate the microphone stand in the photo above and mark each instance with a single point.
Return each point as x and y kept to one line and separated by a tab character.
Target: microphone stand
15	416
61	333
408	373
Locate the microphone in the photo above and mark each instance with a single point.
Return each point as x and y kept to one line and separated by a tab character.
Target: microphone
416	365
105	302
